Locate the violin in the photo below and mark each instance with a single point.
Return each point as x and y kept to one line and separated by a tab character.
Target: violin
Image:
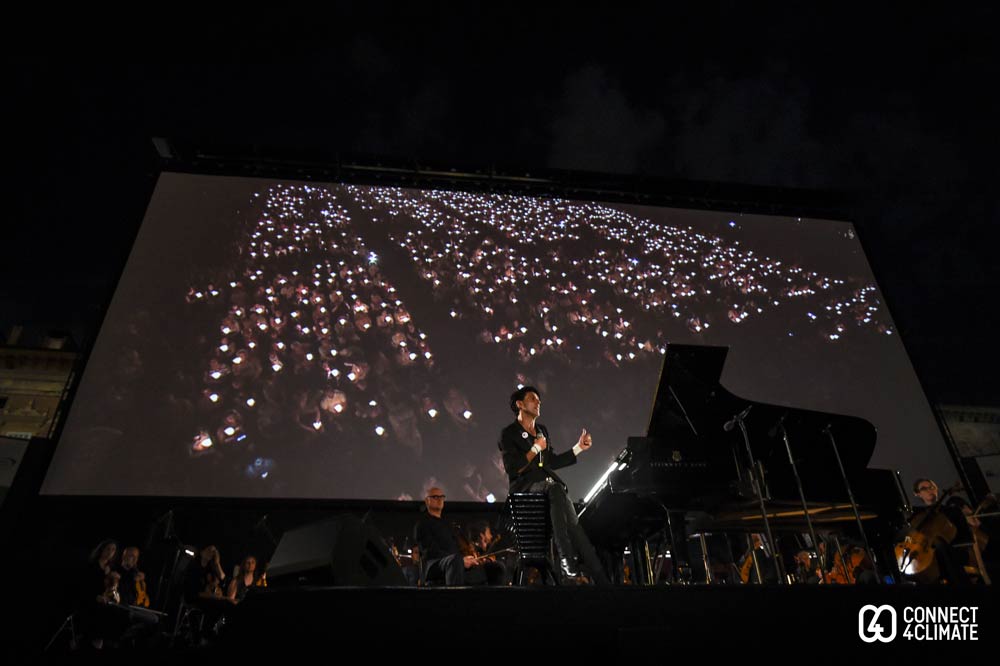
746	567
141	598
465	547
842	573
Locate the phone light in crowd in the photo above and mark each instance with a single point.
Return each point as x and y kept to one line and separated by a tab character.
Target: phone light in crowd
432	413
338	408
309	356
427	355
491	498
317	424
467	414
351	376
251	402
324	330
214	397
453	314
226	330
276	367
379	430
237	360
216	375
230	431
204	443
277	321
233	285
262	326
372	258
295	314
413	356
280	345
335	372
252	344
223	347
214	292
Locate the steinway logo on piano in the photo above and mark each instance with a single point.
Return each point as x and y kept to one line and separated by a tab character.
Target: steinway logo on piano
678	461
920	623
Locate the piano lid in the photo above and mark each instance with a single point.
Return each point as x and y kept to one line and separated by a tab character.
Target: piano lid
691	401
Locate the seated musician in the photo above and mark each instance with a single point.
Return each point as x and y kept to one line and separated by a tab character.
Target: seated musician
530	463
410	562
102	562
929	493
200	574
493	569
133	581
807	571
98	622
438	544
764	560
110	595
244	578
967	524
132	591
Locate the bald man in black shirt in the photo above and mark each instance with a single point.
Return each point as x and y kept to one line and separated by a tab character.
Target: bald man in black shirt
439	549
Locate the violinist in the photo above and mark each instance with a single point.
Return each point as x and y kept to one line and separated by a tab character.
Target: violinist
757	556
245	577
806	570
133	582
484	545
439	548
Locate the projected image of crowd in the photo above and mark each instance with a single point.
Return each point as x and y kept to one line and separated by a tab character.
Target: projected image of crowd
313	340
314	343
547	277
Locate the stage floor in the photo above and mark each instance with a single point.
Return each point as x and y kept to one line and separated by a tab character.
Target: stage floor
612	623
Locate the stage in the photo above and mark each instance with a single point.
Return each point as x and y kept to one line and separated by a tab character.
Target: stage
598	623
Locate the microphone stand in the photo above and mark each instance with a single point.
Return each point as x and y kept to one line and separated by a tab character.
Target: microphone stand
854	505
802	495
758	481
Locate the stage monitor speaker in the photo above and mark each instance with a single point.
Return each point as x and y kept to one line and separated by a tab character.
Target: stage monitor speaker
343	551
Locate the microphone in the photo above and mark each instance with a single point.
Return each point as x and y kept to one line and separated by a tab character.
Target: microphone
731	423
541	432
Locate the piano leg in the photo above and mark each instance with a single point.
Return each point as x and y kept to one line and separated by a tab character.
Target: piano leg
704	558
678	543
641	566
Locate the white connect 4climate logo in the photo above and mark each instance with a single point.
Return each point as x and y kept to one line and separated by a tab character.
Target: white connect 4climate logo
870	625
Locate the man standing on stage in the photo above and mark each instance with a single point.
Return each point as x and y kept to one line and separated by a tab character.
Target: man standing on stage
530	462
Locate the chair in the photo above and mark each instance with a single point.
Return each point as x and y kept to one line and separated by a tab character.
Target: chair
424	581
531	523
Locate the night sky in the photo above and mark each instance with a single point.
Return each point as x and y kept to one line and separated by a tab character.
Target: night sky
896	112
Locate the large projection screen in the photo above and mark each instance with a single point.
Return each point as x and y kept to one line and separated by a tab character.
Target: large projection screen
307	340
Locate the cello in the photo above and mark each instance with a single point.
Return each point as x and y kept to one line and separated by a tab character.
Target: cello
915	554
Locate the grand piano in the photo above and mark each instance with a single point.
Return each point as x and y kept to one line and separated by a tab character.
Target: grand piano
713	463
